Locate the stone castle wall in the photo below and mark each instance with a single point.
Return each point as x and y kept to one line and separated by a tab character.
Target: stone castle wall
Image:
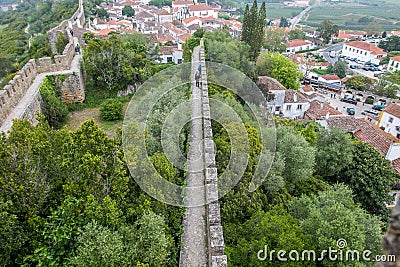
13	92
215	234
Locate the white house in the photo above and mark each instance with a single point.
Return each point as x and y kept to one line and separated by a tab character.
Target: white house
202	10
329	78
389	120
170	54
286	103
363	51
394	64
293	46
191	21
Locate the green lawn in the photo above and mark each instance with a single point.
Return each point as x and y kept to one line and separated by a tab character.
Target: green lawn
276	11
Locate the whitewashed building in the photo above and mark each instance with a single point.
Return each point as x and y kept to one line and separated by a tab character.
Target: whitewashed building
363	51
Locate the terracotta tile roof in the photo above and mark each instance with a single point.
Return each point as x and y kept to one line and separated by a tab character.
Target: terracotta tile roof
191	19
330	77
396	168
167	50
343	35
184	37
143	15
365	131
193	27
296	43
199	7
165	38
367	47
393	109
307	89
396	58
266	83
104	32
292	96
319	110
182	3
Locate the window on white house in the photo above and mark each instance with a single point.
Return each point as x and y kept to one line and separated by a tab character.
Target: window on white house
169	59
299	107
288	107
390	119
365	53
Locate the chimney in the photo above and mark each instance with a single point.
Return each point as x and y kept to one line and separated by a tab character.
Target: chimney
327	116
179	46
321	105
295	97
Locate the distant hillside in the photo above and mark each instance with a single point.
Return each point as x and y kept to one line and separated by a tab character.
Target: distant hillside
8	2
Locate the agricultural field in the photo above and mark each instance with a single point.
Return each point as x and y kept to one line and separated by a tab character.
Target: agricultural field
347	15
277	10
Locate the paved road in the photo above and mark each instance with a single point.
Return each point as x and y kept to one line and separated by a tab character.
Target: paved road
194	239
326	52
297	19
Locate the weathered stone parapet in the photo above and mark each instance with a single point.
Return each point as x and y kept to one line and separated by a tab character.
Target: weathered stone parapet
391	240
72	89
219	261
216	243
32	109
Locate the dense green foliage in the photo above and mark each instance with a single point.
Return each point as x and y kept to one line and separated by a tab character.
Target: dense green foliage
160	3
53	108
62	41
188	47
32	19
128	11
111	110
327	30
114	63
360	83
297	34
392	43
280	67
339	68
66	199
254	22
275	40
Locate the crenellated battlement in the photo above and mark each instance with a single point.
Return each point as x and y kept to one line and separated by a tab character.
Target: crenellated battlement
15	90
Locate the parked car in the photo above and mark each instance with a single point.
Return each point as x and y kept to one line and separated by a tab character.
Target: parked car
349	100
365	112
353	67
351	111
378	107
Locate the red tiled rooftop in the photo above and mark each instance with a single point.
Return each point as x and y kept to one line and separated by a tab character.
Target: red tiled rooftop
267	83
365	131
330	77
319	110
393	109
367	46
199	7
296	43
396	58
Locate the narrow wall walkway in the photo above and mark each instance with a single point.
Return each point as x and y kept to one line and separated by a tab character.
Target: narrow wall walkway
32	94
194	239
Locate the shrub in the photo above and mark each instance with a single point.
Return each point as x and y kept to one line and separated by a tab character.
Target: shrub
369	101
53	108
111	110
62	41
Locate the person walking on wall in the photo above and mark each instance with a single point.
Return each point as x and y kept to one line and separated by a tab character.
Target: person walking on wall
197	78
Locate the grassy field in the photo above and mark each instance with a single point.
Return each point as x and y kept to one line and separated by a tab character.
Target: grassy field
276	11
2	26
346	15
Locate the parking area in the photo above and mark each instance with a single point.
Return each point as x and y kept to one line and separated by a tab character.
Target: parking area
334	100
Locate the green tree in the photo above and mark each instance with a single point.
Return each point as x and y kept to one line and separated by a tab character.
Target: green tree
332	215
99	246
62	41
327	29
279	67
334	152
188	47
102	13
111	109
128	11
297	154
283	23
275	229
297	34
392	43
338	68
254	22
275	40
360	83
371	176
113	64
